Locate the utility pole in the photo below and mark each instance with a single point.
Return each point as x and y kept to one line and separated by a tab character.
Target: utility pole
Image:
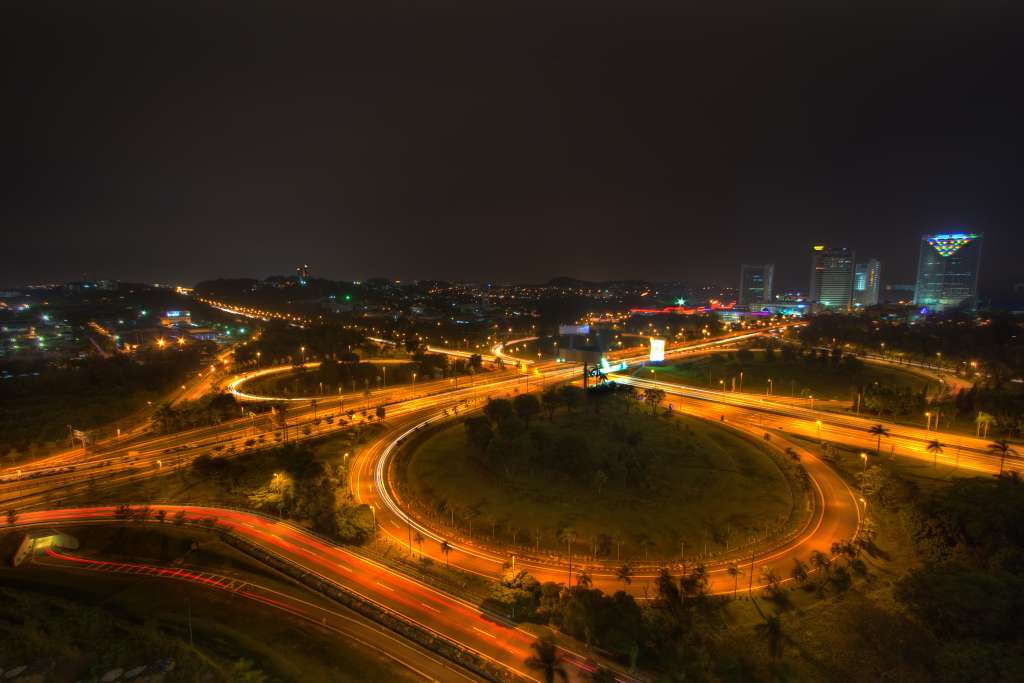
191	642
750	585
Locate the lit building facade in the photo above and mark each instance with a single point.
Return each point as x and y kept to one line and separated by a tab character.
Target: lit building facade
756	284
947	271
832	272
866	282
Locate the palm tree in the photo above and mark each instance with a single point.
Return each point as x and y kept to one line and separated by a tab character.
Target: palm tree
935	448
568	536
445	549
654	397
878	431
771	577
418	537
1003	449
983	420
799	570
583	579
734	571
821	562
624	574
771	631
547	660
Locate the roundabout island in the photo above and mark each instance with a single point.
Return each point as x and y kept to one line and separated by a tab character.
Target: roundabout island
626	482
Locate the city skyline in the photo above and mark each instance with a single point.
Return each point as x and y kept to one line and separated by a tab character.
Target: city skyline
411	144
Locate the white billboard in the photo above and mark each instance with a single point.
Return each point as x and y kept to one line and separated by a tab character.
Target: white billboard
657	350
564	330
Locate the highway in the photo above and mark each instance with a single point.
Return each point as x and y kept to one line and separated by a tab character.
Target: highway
836	514
294	600
438	613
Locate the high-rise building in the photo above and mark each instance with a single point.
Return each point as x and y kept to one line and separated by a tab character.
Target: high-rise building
756	284
947	271
303	272
866	282
831	278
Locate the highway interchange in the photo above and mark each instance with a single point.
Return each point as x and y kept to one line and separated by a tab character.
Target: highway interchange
37	491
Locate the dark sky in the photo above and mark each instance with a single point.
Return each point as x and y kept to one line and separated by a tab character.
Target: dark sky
185	140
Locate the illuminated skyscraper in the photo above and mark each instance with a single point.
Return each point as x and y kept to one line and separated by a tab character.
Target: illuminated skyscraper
303	273
756	284
832	278
866	281
947	271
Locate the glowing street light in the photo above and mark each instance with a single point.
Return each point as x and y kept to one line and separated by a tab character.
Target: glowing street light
864	457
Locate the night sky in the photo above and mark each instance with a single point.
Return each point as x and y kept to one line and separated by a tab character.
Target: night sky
187	140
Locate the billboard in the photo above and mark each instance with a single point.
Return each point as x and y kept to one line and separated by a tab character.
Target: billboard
657	350
564	330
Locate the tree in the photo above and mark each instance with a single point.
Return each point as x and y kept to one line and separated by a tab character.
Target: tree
551	399
244	671
770	577
568	536
771	632
821	562
498	409
878	430
983	421
527	406
547	660
571	397
654	397
380	412
799	573
584	579
624	574
935	448
600	479
445	549
734	571
1003	449
419	538
479	433
629	396
12	517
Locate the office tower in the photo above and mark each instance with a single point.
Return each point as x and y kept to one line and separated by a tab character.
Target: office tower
831	278
947	271
866	282
756	284
303	273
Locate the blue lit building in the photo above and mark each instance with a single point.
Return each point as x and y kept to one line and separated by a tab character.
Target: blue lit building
947	272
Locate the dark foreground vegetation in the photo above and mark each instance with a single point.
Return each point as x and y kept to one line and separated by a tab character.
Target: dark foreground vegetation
39	402
931	590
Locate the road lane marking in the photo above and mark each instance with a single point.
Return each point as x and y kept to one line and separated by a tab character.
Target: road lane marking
385	586
432	609
489	635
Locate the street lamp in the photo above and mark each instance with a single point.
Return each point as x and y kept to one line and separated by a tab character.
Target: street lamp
928	426
258	354
864	457
818	422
